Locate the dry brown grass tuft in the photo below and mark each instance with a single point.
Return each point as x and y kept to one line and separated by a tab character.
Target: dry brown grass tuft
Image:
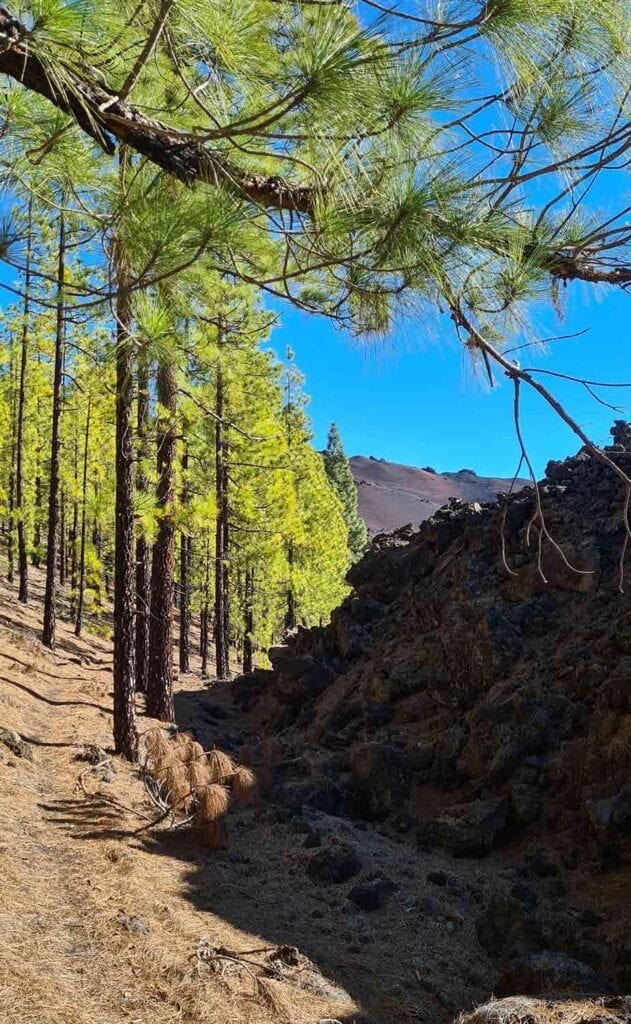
244	786
221	765
213	803
272	994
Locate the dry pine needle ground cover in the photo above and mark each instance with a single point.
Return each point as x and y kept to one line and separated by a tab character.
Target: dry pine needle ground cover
95	928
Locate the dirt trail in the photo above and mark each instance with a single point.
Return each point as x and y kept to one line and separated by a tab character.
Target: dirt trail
76	873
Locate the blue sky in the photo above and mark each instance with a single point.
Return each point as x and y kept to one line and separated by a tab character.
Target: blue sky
413	400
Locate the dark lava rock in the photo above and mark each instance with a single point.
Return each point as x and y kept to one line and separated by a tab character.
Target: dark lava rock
473	833
551	971
506	927
612	814
334	865
380	779
373	895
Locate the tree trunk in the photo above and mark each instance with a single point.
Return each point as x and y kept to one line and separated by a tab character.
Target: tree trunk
185	558
204	618
84	486
48	634
19	464
160	674
125	734
62	538
222	663
11	496
142	547
74	535
248	621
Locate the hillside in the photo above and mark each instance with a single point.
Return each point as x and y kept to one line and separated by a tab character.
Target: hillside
392	495
311	916
479	709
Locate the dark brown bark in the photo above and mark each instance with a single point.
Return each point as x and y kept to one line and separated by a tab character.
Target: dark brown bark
248	621
125	734
221	610
11	488
50	611
160	673
74	529
205	614
105	118
19	461
84	488
62	538
185	559
142	547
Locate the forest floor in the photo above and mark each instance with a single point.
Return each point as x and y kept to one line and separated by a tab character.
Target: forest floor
104	920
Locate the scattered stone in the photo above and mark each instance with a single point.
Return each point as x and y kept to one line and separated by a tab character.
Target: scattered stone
373	895
334	865
16	744
91	754
131	923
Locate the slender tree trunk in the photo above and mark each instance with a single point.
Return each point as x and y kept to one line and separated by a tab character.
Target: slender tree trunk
11	497
185	557
19	464
290	615
37	525
248	637
142	547
160	674
125	734
48	634
204	621
222	664
84	487
62	538
74	530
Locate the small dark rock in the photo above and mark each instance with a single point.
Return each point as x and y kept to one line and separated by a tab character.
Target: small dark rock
373	895
334	865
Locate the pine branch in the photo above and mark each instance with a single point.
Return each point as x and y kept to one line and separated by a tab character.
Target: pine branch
108	119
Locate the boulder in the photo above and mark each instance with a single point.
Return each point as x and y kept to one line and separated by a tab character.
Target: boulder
551	971
334	865
380	779
507	927
471	830
373	895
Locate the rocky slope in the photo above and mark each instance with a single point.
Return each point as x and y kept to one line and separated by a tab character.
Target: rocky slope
392	495
476	705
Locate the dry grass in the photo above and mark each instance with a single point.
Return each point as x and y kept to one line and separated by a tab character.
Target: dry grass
69	865
244	786
524	1010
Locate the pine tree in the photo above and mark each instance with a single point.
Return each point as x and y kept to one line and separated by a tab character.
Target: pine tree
339	474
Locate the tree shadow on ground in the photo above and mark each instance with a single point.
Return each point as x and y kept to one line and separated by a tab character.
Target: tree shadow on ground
399	963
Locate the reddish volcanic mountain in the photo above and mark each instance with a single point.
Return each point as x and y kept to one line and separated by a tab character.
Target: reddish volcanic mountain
391	495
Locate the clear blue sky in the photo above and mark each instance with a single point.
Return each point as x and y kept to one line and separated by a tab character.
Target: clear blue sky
413	400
